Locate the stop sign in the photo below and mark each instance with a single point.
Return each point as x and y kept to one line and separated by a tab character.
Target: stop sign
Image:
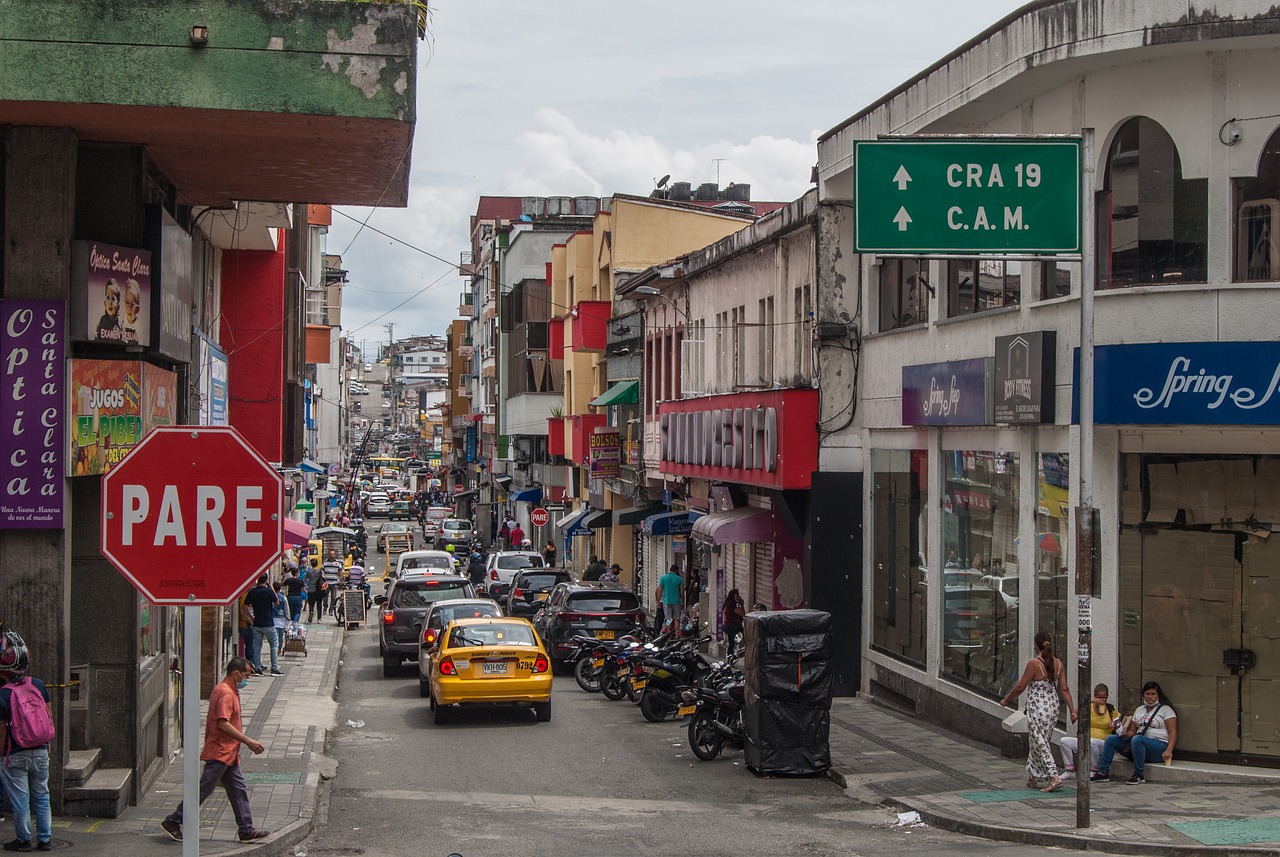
539	517
457	489
192	514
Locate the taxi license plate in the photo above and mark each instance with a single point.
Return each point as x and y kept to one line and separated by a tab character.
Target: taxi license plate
604	635
494	669
598	662
637	685
541	596
686	709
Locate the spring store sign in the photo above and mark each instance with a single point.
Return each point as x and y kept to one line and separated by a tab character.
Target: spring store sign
1186	383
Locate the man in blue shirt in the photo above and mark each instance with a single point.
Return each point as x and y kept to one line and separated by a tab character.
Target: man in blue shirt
262	600
24	770
670	585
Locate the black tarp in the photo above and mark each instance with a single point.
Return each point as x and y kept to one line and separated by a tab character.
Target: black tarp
789	686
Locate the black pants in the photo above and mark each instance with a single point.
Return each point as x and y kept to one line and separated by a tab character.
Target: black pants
315	604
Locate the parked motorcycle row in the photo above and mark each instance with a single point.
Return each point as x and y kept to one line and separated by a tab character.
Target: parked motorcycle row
667	676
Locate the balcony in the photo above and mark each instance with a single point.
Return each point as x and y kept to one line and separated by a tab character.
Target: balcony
466	305
466	264
343	77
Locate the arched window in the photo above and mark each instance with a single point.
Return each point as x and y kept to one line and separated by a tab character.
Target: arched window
1153	223
1257	226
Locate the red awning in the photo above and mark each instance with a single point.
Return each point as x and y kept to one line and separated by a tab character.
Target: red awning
736	526
296	532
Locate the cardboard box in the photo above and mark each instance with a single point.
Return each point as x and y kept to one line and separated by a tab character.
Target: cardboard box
1267	490
1162	481
1260	716
1130	507
1202	491
1228	714
1241	484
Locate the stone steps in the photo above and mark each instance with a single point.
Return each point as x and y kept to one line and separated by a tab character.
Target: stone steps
104	794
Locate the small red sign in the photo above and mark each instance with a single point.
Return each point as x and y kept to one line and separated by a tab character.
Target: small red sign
192	514
457	489
539	517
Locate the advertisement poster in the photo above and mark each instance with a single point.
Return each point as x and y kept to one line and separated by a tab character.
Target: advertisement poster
106	419
159	396
33	413
114	284
606	454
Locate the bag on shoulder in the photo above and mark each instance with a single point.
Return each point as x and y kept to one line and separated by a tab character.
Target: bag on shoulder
29	722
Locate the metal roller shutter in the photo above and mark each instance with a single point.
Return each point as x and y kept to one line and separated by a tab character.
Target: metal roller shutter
762	559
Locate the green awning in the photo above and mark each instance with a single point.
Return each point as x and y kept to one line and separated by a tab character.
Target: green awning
636	514
621	393
305	506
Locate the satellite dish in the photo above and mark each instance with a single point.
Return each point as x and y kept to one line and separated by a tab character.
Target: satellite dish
662	182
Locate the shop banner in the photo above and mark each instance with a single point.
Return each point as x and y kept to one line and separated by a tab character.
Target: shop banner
956	393
174	287
33	351
1185	383
106	418
111	296
1025	373
606	454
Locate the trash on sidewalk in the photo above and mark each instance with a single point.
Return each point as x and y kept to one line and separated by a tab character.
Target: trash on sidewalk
356	724
909	819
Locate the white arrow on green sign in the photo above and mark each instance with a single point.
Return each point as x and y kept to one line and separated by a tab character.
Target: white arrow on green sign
967	195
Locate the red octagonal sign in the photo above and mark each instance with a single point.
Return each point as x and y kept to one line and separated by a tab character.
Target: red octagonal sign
192	514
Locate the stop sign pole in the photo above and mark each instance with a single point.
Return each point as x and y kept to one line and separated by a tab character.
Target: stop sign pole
190	516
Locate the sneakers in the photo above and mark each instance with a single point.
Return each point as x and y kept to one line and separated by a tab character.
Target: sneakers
17	845
44	846
254	833
277	672
173	829
1136	780
1099	777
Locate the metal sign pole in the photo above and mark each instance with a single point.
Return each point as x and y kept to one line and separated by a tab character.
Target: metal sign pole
1086	545
191	731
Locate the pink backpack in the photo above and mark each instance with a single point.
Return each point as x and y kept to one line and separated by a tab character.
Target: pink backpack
29	722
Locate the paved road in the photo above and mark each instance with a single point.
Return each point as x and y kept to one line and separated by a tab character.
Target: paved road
598	779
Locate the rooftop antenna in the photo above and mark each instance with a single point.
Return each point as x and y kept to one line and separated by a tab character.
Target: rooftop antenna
662	182
717	162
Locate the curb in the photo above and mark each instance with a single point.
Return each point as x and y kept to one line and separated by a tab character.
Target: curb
1078	842
838	777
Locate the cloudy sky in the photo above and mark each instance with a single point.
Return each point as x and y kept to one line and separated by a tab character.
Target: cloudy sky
596	97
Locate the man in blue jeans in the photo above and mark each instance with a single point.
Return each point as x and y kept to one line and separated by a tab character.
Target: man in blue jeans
261	600
24	770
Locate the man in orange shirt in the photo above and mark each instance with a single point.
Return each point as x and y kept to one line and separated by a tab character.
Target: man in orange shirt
223	735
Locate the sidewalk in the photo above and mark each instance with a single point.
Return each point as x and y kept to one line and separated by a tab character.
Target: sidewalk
884	756
291	715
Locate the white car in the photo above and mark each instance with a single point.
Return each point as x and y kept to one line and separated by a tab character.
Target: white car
412	563
502	566
1006	586
379	504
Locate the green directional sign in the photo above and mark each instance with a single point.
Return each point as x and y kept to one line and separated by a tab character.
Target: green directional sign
967	195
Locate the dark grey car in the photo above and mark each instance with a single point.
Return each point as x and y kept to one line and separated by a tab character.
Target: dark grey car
605	611
403	609
530	589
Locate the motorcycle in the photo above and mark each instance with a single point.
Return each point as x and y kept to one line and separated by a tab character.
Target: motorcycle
667	674
718	713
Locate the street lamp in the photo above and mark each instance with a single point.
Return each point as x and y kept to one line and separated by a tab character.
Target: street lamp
657	292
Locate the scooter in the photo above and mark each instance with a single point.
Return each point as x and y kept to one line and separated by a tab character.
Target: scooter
717	711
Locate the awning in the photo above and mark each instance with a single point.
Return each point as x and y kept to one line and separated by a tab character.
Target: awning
504	482
309	466
571	518
462	495
296	532
526	495
736	526
671	523
346	531
621	393
597	519
305	506
636	514
576	526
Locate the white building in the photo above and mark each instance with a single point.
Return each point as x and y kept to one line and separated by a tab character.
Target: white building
1187	161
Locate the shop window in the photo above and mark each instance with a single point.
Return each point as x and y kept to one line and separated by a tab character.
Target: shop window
1052	532
1057	280
1154	223
980	285
980	542
904	293
900	525
1257	224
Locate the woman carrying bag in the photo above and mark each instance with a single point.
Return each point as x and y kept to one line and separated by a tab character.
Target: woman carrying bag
1045	679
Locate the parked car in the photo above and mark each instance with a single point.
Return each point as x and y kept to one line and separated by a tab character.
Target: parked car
403	609
605	611
502	566
396	527
425	562
1006	586
454	531
438	617
530	588
483	661
378	505
401	510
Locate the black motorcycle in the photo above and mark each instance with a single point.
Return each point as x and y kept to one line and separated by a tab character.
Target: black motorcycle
717	711
666	675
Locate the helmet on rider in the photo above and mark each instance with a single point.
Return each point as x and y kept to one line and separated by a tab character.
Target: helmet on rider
14	657
449	548
526	544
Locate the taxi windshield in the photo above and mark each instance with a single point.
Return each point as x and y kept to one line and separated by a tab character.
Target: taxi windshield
491	634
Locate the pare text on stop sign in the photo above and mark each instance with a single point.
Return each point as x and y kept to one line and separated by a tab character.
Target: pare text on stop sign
206	517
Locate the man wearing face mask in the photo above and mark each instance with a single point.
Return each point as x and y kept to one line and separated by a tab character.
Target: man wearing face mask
223	735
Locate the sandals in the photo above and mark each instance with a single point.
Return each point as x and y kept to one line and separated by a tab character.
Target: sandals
1032	783
1054	785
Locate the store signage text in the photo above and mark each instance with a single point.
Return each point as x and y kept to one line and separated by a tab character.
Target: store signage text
32	413
952	394
741	438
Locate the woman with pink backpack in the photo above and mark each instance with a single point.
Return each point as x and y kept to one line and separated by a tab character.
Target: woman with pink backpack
26	728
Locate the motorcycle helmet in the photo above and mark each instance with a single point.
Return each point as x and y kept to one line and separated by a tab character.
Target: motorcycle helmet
475	554
449	548
526	544
14	657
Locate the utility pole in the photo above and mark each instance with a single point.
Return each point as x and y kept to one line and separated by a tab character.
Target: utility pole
391	344
1086	517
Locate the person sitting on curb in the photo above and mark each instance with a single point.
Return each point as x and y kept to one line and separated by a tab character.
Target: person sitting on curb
1103	721
1151	733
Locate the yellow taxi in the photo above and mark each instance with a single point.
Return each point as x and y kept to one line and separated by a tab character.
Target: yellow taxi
490	660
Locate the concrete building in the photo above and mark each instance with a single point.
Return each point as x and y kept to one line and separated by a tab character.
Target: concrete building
146	134
968	545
